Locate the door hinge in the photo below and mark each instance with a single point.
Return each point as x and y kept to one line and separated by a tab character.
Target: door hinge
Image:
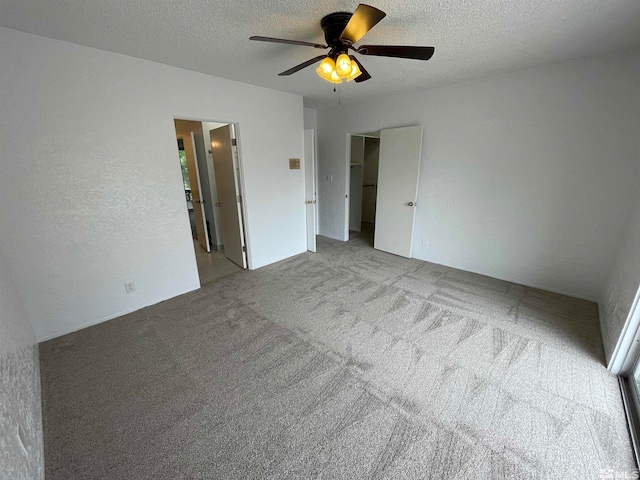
234	142
244	248
239	198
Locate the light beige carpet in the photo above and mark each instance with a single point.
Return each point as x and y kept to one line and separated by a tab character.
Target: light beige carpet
348	363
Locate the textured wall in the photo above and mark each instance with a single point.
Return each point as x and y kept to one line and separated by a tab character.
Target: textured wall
21	454
92	196
527	176
473	38
310	118
623	284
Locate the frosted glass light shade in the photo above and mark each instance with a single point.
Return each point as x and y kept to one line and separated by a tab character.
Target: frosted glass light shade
326	68
343	65
355	71
335	78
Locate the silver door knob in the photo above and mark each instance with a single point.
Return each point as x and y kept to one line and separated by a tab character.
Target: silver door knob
218	204
411	204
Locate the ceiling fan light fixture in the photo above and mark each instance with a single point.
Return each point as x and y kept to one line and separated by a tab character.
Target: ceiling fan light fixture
327	71
355	71
341	31
326	68
343	65
335	78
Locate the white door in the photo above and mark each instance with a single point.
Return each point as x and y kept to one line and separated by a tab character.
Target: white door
310	188
198	201
225	164
398	170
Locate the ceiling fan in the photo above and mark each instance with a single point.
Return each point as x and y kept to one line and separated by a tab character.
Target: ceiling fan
341	31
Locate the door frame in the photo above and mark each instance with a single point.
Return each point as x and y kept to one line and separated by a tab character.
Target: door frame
347	176
627	349
624	360
245	197
314	172
347	187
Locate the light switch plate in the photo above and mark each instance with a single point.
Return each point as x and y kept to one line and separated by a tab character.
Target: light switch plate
294	164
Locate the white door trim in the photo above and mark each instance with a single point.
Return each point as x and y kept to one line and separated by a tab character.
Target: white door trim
310	187
347	187
627	349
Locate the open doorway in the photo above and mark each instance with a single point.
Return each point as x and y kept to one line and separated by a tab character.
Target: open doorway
216	241
363	186
396	179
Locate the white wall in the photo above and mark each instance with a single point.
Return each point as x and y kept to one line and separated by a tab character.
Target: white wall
310	118
527	176
91	194
622	285
20	408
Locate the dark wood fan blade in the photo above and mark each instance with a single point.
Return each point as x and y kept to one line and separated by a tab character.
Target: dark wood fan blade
301	66
417	53
362	20
364	76
289	42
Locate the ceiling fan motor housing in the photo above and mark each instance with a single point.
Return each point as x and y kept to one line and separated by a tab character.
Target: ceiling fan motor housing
333	25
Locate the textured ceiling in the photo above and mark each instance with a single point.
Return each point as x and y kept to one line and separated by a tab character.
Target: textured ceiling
472	38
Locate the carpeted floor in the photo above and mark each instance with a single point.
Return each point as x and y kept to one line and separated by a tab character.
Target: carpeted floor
348	363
